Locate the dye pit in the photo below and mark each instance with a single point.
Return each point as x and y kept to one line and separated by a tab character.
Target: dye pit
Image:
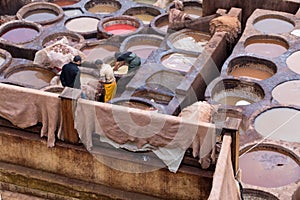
267	73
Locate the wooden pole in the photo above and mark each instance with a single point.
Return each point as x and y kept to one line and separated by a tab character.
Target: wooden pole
231	127
69	97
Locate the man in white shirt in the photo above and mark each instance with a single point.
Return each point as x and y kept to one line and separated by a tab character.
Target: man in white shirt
107	78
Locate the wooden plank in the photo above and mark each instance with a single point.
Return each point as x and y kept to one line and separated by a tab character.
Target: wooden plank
69	98
231	127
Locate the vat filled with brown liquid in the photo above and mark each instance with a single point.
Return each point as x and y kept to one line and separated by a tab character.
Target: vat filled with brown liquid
269	47
31	76
236	92
251	67
102	7
145	13
19	32
160	24
268	167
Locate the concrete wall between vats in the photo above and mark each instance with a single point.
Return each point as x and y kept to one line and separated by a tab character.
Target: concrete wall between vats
248	6
67	171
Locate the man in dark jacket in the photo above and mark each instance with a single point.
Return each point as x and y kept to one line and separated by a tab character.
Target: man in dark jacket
70	74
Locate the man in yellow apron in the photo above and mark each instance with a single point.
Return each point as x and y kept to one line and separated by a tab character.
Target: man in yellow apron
108	80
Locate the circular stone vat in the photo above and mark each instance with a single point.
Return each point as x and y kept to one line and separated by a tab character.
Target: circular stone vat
251	67
188	40
64	2
267	46
41	12
236	92
160	24
5	59
74	40
87	26
135	102
144	13
32	76
280	123
287	93
293	62
271	23
99	51
269	166
251	194
121	25
192	8
178	61
102	6
20	32
141	44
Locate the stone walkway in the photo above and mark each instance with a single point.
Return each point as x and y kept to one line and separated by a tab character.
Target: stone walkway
7	195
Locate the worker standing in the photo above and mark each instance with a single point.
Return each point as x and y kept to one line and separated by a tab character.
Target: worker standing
107	78
70	73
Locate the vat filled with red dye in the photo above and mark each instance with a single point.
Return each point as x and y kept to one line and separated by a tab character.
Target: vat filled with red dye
120	26
65	2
